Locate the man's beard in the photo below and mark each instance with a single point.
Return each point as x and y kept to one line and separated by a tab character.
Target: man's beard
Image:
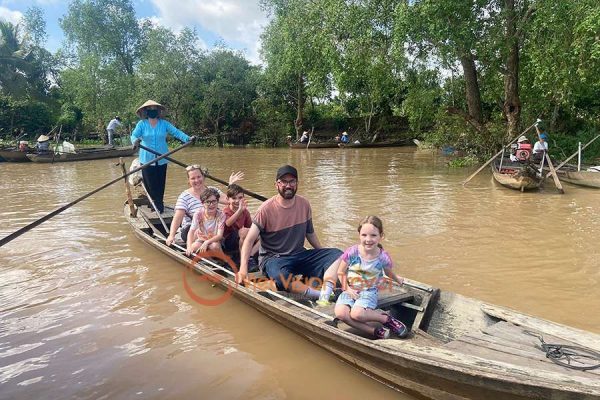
287	192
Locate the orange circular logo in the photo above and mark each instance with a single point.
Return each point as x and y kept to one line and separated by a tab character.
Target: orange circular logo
214	279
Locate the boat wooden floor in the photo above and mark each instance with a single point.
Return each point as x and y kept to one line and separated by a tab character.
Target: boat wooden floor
509	344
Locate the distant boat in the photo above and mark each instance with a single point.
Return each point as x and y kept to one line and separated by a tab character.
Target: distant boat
332	145
93	153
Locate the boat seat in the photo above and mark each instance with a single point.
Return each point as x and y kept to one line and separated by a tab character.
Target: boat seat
387	299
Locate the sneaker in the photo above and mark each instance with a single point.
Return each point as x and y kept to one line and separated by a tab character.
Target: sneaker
397	327
381	333
323	302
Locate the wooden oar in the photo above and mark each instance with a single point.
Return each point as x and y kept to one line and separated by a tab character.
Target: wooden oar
56	146
46	217
573	155
249	193
496	155
552	170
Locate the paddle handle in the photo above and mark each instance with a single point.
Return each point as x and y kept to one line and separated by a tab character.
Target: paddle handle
46	217
249	193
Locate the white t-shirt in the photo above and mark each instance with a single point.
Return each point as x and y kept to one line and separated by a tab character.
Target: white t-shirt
113	124
537	148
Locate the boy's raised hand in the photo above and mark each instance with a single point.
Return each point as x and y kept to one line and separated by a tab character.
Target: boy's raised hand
235	177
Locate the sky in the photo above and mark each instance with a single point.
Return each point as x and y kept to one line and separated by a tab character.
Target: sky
237	23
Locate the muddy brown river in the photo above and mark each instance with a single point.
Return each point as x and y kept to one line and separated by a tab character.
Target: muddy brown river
88	311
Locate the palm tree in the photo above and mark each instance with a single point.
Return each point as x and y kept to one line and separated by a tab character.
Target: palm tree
15	61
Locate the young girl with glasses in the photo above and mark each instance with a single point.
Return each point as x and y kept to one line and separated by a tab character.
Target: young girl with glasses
208	224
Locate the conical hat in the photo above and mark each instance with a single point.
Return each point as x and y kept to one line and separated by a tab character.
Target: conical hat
43	138
149	103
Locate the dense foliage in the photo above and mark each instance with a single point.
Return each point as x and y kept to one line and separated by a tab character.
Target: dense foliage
471	75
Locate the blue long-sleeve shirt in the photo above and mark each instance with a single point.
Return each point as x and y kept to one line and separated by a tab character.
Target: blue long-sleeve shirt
156	138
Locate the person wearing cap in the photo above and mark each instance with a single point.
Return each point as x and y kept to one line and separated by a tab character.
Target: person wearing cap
541	146
112	127
283	223
152	130
522	150
43	144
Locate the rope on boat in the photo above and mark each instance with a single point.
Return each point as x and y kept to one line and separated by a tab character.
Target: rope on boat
569	356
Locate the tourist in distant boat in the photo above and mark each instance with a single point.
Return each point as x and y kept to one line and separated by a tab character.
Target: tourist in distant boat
283	223
345	138
152	130
304	137
208	224
43	144
541	146
361	271
112	128
189	201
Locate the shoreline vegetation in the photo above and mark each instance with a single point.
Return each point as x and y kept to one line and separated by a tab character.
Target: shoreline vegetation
466	76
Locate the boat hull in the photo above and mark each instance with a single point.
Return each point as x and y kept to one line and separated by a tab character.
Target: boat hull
83	155
581	178
514	176
12	155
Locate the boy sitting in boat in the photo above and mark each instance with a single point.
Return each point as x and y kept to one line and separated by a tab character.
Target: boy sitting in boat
208	224
237	221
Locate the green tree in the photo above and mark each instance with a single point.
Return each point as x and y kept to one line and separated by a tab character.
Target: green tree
227	90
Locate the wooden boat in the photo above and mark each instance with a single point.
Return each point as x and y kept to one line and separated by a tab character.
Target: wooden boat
516	175
313	145
394	143
93	153
585	177
14	155
459	348
391	143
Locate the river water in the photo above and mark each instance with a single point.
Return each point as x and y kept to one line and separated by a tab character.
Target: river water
89	311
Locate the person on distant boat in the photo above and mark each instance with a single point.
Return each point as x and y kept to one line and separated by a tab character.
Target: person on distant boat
43	144
345	138
189	201
522	150
541	146
304	137
112	128
208	224
283	223
361	271
337	138
152	130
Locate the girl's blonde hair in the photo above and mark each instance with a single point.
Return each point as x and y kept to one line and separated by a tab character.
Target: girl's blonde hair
373	220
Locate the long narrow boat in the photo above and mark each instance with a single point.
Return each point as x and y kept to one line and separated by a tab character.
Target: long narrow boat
14	155
459	347
83	154
313	145
516	175
391	143
588	177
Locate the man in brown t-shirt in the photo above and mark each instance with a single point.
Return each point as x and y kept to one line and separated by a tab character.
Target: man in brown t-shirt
283	223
